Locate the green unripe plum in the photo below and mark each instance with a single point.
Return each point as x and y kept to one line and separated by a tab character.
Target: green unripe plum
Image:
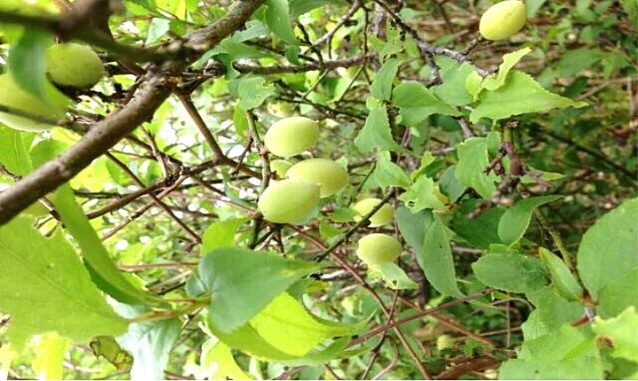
291	136
288	201
330	176
381	217
74	65
280	167
503	20
376	249
11	95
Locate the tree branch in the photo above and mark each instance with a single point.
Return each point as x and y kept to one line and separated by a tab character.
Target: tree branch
106	133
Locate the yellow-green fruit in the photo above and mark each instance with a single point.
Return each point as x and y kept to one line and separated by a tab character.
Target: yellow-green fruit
381	217
503	20
377	249
74	65
280	167
330	176
288	201
291	136
11	95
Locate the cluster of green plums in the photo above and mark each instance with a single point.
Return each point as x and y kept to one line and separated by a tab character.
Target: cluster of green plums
67	65
294	198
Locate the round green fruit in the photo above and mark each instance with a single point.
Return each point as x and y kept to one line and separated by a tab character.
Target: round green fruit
74	65
503	20
381	217
11	95
330	176
376	249
280	167
288	201
291	136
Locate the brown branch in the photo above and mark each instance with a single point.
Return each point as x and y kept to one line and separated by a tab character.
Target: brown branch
106	133
326	65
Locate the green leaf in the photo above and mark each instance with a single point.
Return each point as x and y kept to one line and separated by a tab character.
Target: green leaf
218	359
436	259
416	102
608	253
450	185
515	220
386	173
481	231
393	276
618	294
27	61
49	356
46	288
452	89
509	61
240	121
551	312
242	282
413	226
100	265
252	92
568	354
521	94
149	342
470	171
286	324
290	334
422	195
278	20
621	331
509	271
381	87
376	134
13	152
221	234
565	282
97	260
299	7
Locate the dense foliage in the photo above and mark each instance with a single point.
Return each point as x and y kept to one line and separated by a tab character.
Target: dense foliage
132	238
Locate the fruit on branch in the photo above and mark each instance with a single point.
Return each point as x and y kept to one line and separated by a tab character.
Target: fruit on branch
503	20
281	109
376	249
330	176
74	65
288	201
280	167
13	96
291	136
381	217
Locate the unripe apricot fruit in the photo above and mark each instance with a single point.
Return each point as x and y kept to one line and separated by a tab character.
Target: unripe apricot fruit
74	65
503	20
330	176
376	249
381	217
291	136
288	201
11	95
